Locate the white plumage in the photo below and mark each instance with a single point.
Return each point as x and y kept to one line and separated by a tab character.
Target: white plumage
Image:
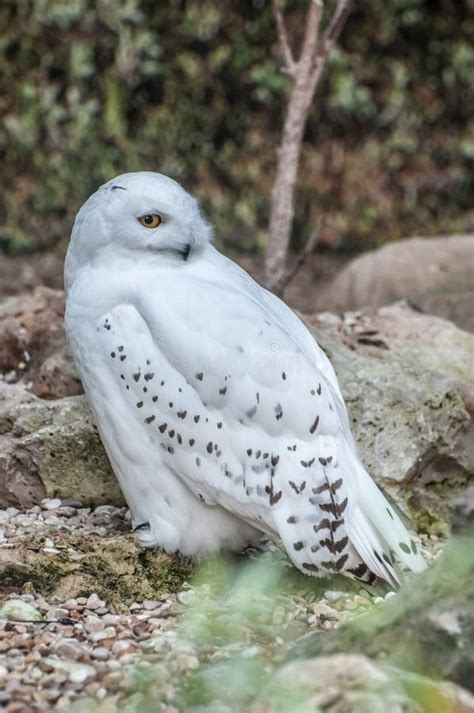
221	416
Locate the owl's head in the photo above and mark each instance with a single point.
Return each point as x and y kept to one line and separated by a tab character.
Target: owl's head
142	212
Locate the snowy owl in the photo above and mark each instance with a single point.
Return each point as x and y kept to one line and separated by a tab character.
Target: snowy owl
222	417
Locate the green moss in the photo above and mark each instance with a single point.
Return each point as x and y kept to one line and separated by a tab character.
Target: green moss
115	567
431	506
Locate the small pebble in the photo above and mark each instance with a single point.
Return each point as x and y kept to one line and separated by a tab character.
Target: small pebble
93	623
149	605
94	602
57	614
187	597
333	595
100	653
81	673
50	503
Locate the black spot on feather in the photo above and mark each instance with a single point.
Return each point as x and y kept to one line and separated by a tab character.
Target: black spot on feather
315	425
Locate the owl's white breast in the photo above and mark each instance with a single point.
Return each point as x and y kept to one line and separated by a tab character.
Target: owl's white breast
101	318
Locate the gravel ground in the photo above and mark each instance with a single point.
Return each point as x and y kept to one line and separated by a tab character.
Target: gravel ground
54	651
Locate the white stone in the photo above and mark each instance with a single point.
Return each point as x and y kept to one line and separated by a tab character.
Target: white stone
100	653
333	595
94	602
50	503
81	673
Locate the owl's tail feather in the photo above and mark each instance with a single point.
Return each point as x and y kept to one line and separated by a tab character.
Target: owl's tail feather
378	534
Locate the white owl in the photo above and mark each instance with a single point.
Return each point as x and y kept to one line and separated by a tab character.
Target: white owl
221	416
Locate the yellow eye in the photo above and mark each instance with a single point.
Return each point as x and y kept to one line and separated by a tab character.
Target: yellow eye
150	220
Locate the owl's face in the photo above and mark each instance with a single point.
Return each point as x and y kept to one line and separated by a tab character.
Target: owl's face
141	214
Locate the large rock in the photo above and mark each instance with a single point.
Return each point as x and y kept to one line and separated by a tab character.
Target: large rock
51	449
436	274
33	348
352	682
23	273
428	627
408	383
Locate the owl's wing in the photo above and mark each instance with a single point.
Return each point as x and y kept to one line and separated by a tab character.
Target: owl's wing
246	410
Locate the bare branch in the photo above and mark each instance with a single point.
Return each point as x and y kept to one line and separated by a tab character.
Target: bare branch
312	22
289	275
336	23
283	41
306	73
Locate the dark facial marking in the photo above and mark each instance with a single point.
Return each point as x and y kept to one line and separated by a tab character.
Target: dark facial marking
185	251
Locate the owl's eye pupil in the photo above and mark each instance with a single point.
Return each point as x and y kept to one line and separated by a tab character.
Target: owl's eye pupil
150	220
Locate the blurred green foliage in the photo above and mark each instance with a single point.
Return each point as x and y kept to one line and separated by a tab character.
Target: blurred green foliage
192	88
244	620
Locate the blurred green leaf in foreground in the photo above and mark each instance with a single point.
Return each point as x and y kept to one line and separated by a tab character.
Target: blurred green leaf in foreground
242	644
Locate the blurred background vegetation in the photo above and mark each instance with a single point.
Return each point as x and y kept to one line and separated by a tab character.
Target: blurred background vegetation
192	88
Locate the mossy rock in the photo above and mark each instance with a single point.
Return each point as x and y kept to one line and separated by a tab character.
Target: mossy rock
52	449
116	568
409	404
428	627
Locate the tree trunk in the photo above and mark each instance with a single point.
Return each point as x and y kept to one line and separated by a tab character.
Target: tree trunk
306	74
282	200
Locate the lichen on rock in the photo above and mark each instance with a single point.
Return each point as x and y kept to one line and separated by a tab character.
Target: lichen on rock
51	449
116	568
408	386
